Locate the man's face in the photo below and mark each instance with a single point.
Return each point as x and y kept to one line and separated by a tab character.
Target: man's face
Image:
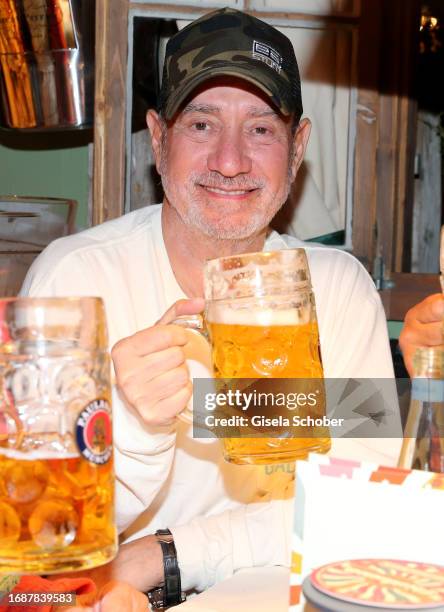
227	161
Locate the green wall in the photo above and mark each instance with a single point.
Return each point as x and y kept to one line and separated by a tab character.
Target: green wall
51	164
394	328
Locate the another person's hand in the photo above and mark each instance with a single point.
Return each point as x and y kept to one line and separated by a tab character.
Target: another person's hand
423	326
150	367
112	596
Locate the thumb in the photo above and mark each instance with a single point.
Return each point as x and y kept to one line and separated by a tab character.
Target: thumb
182	307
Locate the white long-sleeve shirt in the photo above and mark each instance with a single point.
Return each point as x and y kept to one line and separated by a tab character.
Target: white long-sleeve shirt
223	516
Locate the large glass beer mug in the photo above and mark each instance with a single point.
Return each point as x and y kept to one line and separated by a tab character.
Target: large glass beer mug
56	465
261	320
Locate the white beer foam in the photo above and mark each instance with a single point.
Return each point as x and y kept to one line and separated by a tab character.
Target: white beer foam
262	318
38	455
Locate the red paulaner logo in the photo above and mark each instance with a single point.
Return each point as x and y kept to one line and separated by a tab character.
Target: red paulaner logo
94	431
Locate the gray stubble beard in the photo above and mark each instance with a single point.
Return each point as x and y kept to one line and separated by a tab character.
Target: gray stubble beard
191	215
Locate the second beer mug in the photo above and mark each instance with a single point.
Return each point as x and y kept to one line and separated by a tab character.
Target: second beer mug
261	318
56	469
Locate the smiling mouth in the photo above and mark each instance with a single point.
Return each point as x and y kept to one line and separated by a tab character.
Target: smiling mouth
228	192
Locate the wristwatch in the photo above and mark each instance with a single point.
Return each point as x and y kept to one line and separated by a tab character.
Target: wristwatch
170	593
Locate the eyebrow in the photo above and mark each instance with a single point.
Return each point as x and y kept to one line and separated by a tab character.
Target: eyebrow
253	111
201	108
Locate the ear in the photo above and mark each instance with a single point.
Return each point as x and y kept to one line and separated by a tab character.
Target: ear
155	126
300	144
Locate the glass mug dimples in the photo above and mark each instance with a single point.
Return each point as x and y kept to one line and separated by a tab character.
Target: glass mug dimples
261	320
56	465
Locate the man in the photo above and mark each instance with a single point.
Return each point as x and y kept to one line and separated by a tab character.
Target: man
228	142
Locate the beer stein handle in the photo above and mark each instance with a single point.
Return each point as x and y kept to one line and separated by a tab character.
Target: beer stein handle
194	322
199	347
9	416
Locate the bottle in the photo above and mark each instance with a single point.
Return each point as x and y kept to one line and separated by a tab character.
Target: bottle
15	78
423	444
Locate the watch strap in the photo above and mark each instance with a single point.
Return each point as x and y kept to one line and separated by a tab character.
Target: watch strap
170	593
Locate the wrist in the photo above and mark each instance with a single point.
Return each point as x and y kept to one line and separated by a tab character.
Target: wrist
140	563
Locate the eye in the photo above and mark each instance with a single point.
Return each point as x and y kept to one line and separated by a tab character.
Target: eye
262	133
261	130
200	126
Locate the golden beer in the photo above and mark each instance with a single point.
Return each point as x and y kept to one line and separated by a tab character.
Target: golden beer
267	344
56	514
56	462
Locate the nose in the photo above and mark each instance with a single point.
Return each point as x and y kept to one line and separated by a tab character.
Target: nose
230	156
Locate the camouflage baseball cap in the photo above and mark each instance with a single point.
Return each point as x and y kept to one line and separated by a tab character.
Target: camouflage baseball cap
229	42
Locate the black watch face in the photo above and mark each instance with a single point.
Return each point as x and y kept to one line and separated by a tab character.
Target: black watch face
156	598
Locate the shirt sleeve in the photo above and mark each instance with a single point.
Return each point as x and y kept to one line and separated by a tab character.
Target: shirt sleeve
210	549
143	455
258	534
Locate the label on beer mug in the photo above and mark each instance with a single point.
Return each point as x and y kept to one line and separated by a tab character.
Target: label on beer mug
94	432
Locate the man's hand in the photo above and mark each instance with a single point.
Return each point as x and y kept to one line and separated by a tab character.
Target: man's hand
423	326
150	366
139	564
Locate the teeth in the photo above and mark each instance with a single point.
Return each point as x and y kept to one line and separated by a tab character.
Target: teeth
222	192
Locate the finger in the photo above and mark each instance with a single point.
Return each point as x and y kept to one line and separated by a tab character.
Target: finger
182	307
431	333
429	310
165	411
162	387
417	334
149	341
162	335
144	369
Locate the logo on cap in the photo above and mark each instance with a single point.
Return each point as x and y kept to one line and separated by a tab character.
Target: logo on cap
268	55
